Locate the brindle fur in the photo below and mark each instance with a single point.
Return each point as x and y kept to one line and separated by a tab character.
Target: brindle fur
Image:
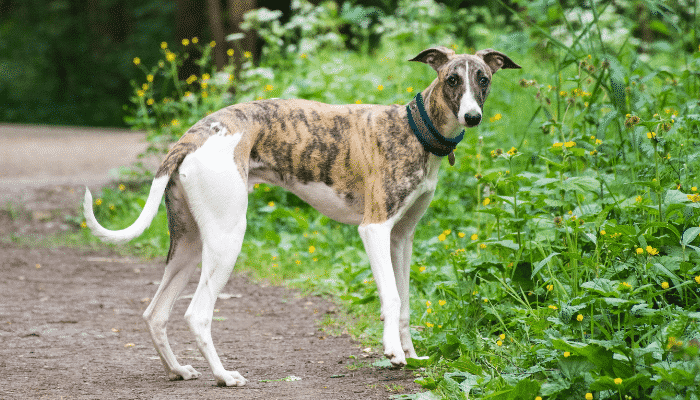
307	141
366	153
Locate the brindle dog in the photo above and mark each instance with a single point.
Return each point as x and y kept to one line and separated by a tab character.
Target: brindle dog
371	165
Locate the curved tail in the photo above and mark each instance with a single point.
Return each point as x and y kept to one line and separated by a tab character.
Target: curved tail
142	222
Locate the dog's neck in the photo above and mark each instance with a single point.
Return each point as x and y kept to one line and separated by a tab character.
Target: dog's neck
435	140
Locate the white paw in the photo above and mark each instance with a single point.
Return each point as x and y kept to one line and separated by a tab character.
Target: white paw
396	357
183	372
230	378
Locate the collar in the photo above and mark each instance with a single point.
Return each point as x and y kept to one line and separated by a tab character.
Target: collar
427	134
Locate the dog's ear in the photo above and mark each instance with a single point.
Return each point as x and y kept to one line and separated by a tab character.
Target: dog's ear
496	60
435	56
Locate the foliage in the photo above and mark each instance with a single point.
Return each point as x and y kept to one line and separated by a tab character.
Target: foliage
67	62
565	267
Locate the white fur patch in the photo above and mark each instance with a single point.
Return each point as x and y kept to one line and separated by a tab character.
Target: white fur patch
467	104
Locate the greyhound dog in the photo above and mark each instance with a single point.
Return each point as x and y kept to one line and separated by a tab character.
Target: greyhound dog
374	166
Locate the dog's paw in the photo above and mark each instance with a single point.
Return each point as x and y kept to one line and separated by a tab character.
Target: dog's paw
230	378
184	372
397	358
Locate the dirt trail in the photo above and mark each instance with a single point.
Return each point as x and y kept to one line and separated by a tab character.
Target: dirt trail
70	320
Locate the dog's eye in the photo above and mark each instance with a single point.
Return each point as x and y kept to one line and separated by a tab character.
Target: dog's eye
483	82
452	80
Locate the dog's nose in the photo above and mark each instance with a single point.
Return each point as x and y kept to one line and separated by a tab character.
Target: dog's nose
472	118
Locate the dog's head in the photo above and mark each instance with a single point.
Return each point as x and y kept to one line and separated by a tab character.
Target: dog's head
464	80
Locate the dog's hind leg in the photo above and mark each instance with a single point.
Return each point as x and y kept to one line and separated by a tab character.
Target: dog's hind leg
183	257
218	196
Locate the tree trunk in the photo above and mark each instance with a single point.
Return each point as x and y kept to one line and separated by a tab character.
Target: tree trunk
216	25
236	10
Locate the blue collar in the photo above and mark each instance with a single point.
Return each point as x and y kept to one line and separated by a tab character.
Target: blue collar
427	134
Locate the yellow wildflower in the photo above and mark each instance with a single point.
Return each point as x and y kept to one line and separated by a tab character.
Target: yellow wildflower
185	42
651	135
409	89
557	145
442	302
170	56
98	202
271	204
230	52
312	249
566	354
652	251
174	122
487	201
461	234
569	144
550	287
163	45
664	285
268	88
212	43
552	306
429	325
618	381
122	187
447	231
579	318
589	396
137	61
499	343
247	54
195	40
482	246
429	310
474	237
640	251
380	87
638	199
502	336
421	269
442	237
602	233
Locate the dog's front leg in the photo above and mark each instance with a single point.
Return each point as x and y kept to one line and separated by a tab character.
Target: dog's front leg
377	241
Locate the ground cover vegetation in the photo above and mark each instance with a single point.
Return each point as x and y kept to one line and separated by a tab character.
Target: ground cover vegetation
560	257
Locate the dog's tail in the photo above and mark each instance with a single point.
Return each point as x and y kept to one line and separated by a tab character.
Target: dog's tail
142	222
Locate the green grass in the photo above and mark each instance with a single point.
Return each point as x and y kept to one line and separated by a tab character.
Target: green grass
560	257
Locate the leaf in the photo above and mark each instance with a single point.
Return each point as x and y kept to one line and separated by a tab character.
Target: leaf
507	243
383	363
541	264
415	363
601	286
581	184
689	235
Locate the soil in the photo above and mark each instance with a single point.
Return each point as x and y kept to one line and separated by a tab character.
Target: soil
70	318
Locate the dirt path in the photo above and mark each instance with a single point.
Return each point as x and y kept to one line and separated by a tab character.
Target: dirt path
70	320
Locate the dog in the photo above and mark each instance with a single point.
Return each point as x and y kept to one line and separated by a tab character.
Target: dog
374	166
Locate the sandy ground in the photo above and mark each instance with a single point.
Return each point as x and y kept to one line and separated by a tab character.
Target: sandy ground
70	319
